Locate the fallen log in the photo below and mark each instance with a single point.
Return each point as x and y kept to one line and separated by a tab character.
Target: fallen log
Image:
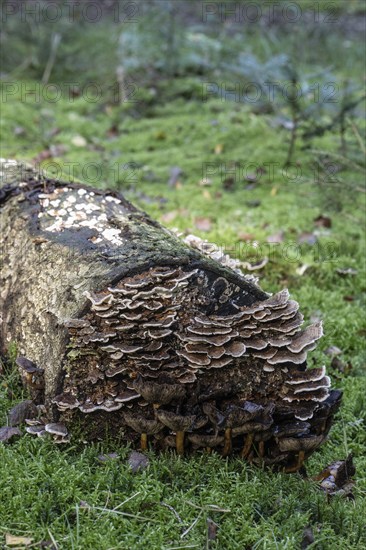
123	328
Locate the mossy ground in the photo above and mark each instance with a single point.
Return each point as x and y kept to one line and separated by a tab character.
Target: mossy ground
66	495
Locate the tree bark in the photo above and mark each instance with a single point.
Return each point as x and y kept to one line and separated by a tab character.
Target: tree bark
148	334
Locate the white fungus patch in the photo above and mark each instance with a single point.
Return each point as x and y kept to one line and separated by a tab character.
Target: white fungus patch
77	209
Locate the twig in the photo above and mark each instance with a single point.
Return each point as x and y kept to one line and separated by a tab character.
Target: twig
56	40
172	510
358	136
53	539
192	525
127	500
121	513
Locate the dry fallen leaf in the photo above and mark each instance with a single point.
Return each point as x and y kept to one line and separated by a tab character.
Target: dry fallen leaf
228	184
323	221
79	141
13	540
247	237
276	237
168	217
333	351
307	237
175	174
137	461
7	433
307	538
107	457
335	479
211	529
205	182
203	224
251	177
21	411
338	365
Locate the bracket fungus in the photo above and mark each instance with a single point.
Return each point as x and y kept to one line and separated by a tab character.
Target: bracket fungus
124	328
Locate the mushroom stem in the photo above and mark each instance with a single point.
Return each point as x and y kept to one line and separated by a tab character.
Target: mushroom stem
179	442
247	445
298	464
261	449
143	442
228	444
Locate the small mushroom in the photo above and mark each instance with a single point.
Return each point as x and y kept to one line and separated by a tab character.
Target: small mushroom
38	430
159	393
56	428
143	426
31	375
66	401
177	423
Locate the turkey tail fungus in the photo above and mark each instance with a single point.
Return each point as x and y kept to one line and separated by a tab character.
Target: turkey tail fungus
138	334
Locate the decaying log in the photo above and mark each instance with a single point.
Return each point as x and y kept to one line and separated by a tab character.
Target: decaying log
145	337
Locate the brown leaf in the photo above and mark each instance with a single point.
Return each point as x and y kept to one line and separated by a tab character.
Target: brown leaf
203	224
79	141
307	238
211	529
168	217
337	477
113	131
333	351
138	461
247	237
21	411
307	538
205	182
7	433
58	150
323	221
338	365
13	540
228	184
107	457
43	155
276	237
175	174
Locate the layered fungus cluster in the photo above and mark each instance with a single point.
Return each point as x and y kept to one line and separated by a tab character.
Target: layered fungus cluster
186	359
